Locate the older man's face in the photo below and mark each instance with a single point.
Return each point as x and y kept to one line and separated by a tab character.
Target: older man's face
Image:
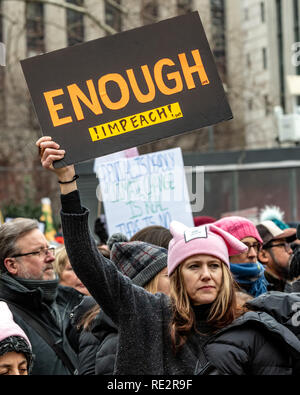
38	265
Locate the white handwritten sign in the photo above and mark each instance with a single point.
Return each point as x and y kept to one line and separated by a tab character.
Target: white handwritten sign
128	153
143	191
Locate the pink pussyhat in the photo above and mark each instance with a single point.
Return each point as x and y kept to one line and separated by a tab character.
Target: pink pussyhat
206	240
239	227
8	327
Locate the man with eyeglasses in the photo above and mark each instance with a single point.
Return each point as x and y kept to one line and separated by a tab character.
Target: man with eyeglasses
29	284
276	254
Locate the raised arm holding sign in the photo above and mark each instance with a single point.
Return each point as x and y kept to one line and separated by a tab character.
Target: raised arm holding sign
200	329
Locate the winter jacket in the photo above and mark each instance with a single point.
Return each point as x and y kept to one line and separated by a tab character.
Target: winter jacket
296	286
96	347
284	307
107	333
84	343
254	344
55	318
275	284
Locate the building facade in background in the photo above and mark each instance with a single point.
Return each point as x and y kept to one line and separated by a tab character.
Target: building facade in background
260	39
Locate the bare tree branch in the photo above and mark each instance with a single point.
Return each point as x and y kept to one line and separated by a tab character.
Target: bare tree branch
118	6
69	6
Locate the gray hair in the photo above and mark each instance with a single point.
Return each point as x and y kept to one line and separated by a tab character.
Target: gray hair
10	233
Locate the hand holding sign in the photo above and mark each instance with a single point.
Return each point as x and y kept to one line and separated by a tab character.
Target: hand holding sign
49	153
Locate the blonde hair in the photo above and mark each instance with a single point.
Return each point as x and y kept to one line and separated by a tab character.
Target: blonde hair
222	312
60	262
88	317
152	286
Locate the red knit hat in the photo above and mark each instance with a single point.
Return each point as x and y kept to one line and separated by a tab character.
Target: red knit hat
239	227
198	221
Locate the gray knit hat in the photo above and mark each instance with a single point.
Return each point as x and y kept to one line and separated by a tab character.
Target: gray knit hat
139	260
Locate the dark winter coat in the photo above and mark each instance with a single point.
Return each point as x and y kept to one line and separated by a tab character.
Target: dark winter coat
275	284
296	286
82	340
96	346
254	344
107	334
46	361
284	307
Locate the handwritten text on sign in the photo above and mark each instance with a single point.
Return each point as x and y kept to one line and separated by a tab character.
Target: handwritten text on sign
145	190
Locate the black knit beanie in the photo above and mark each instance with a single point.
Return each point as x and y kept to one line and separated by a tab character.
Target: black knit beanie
17	344
139	260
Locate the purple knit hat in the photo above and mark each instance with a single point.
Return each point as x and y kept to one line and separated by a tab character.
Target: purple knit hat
239	227
206	239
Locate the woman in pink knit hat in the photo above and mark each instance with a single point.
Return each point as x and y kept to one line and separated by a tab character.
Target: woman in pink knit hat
198	329
248	272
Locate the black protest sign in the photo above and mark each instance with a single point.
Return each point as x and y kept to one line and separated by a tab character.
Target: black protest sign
128	89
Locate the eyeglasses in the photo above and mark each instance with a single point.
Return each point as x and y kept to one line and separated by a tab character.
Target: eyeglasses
285	245
256	246
41	253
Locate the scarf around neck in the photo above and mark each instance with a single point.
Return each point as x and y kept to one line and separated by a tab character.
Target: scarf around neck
49	287
250	275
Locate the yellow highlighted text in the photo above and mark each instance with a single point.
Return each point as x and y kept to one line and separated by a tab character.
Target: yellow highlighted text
142	120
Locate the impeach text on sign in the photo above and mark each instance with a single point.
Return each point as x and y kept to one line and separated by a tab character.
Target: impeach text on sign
135	122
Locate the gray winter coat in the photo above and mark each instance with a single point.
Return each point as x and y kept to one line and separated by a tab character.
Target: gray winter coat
284	307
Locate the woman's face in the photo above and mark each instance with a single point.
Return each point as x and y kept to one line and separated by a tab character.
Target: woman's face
13	364
202	276
68	278
163	282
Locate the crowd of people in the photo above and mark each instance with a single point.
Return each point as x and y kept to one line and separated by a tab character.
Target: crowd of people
220	298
